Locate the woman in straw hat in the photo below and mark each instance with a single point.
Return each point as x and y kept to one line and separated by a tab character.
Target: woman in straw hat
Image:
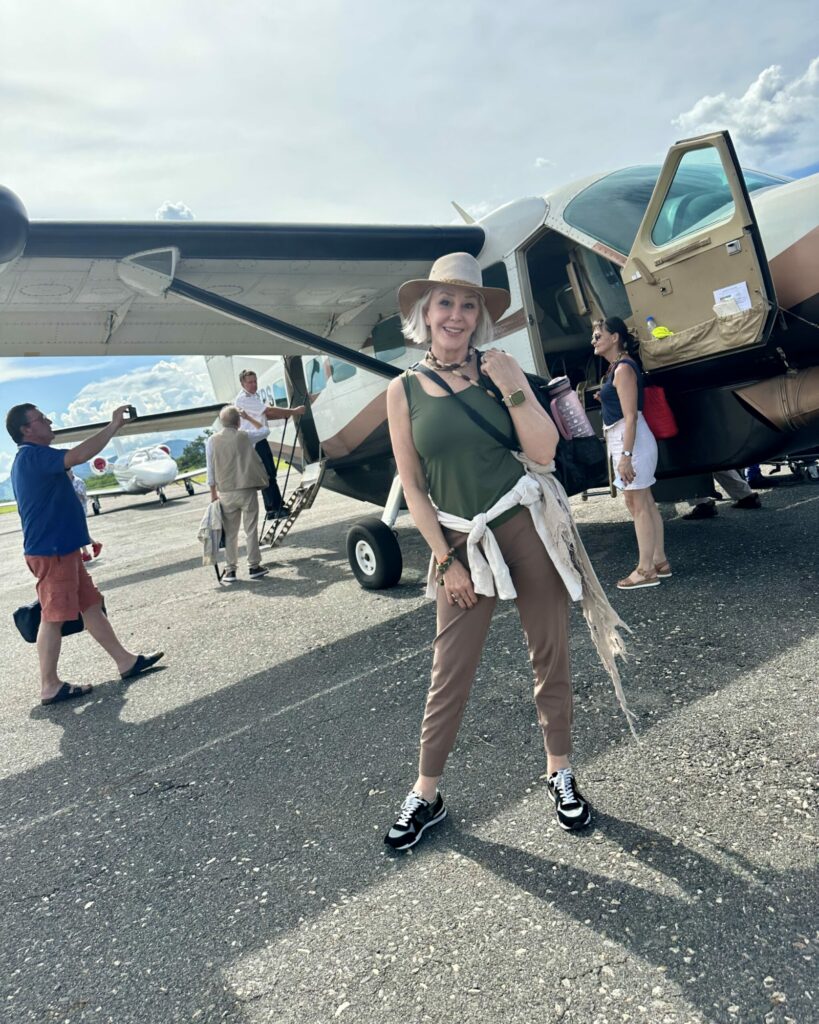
464	488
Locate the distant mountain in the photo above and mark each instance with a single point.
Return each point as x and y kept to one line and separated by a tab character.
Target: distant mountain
6	492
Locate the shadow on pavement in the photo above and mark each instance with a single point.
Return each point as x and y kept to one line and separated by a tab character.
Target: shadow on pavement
154	854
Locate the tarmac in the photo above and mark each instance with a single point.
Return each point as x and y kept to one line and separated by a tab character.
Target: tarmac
205	844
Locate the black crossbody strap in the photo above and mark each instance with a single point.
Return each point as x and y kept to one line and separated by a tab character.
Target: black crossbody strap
473	414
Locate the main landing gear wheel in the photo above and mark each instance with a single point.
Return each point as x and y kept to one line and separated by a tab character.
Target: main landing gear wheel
189	488
374	554
162	497
95	507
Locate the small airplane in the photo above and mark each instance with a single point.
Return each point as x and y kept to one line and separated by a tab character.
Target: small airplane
726	258
142	470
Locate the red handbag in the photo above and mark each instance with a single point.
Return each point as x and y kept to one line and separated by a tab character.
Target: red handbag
658	414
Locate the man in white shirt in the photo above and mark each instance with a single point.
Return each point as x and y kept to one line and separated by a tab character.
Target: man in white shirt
255	413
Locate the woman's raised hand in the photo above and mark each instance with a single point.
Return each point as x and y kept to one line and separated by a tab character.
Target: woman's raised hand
503	370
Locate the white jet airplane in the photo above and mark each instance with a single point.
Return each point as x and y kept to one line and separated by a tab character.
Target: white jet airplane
140	472
146	469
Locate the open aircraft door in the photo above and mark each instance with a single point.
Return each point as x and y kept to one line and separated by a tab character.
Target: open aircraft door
698	247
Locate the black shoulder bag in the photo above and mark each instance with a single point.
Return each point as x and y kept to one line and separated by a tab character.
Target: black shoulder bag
27	620
580	463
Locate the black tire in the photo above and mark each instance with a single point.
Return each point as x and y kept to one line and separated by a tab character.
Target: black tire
189	488
162	498
374	554
95	507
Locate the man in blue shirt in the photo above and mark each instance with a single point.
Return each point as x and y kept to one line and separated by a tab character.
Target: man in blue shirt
54	532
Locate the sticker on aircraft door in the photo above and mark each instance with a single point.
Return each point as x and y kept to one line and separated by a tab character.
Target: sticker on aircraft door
737	292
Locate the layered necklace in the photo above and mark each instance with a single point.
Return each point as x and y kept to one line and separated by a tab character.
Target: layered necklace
436	364
455	369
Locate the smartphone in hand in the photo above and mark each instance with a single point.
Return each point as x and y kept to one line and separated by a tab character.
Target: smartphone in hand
130	412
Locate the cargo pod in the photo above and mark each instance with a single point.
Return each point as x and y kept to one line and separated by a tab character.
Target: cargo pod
698	248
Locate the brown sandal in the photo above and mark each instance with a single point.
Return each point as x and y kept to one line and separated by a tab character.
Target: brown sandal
648	578
663	569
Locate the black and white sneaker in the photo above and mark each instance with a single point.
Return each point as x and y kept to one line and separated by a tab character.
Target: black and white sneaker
416	815
257	572
228	576
572	810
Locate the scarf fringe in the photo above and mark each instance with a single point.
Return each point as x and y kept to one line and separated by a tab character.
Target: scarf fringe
602	620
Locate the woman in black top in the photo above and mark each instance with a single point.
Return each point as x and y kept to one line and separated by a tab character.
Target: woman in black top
632	448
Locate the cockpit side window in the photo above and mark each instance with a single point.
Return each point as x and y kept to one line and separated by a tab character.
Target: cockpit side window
699	194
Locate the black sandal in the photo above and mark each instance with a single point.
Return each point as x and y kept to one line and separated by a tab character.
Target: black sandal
68	692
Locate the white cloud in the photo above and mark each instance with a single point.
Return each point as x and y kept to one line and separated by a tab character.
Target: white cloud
33	369
5	464
543	161
174	211
774	121
166	386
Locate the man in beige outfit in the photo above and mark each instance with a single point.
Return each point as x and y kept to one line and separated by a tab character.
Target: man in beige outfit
235	474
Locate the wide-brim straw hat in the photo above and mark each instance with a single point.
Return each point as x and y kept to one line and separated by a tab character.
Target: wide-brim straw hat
462	270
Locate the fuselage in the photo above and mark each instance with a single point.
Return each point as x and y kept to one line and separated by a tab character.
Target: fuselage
145	470
347	406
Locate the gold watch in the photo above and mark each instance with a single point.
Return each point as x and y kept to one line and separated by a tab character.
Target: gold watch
516	398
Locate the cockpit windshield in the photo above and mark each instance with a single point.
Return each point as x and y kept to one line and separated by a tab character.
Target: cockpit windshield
612	209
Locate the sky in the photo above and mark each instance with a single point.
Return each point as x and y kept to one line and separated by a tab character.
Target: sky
361	111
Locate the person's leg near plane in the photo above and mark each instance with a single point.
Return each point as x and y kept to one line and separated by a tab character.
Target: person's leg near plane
271	495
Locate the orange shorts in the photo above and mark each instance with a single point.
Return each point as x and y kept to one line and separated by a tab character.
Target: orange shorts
64	587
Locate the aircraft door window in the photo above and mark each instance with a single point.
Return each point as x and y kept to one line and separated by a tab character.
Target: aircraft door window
699	195
314	375
388	341
341	371
279	394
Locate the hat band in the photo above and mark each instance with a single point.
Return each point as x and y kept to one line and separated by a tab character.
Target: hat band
456	281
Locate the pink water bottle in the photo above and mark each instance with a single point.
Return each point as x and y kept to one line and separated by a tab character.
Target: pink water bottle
568	413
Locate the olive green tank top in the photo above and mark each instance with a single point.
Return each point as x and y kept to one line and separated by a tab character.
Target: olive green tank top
467	470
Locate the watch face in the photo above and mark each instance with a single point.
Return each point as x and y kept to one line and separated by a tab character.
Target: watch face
516	398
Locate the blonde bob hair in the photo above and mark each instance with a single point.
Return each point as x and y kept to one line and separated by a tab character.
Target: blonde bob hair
414	328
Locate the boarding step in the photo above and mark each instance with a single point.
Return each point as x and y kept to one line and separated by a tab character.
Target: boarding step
275	530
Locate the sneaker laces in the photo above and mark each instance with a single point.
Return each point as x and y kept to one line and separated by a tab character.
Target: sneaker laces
409	807
564	784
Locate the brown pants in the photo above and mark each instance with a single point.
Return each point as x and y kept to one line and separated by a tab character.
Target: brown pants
543	606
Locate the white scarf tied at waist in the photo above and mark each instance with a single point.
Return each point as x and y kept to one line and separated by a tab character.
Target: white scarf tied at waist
543	495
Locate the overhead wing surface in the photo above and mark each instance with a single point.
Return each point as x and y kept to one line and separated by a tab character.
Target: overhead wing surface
63	296
182	419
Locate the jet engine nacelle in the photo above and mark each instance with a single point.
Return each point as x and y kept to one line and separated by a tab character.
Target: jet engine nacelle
99	465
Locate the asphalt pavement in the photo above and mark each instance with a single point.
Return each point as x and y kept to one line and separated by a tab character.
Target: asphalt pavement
205	844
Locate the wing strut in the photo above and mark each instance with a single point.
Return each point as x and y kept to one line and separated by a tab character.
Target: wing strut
154	273
311	342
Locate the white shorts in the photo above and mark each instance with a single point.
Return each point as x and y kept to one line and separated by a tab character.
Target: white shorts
644	459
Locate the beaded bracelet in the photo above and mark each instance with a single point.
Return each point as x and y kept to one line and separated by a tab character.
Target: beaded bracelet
442	566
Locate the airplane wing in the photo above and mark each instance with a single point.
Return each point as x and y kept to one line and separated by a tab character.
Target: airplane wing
62	292
182	419
103	492
189	474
